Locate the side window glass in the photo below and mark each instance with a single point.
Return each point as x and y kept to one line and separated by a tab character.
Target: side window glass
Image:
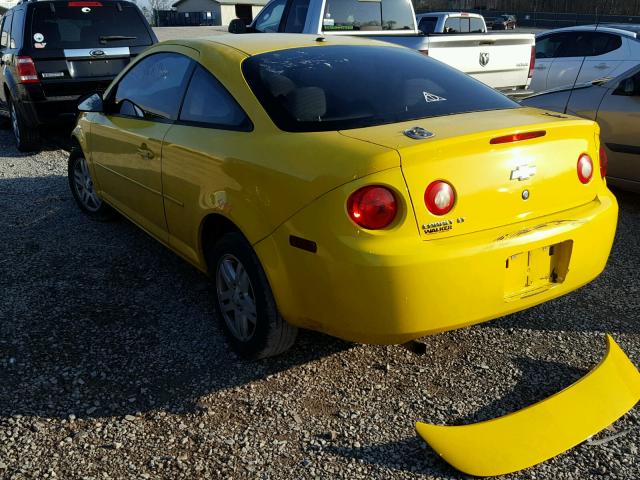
602	43
4	36
208	102
297	16
15	37
575	44
153	87
427	25
547	47
269	18
452	25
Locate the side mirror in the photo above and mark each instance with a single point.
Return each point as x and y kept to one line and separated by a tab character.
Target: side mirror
91	103
237	25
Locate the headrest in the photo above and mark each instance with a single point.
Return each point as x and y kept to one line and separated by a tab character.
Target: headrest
278	84
307	104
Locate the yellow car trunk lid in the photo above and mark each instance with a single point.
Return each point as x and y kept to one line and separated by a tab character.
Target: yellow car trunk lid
495	183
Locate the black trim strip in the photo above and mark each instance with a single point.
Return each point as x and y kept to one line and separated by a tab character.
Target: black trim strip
617	147
303	244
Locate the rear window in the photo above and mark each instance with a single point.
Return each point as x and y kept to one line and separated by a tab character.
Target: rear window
369	15
87	25
427	25
342	87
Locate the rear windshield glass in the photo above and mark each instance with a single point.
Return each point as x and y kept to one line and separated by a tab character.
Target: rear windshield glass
83	26
427	24
343	87
368	15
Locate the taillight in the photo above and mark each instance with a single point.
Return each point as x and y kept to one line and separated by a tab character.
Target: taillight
517	137
84	4
372	207
439	197
585	168
532	61
26	70
604	162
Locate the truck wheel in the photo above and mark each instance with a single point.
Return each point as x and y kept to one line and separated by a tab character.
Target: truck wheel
82	189
244	302
27	138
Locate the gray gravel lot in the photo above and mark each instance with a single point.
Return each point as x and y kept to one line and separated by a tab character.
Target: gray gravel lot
111	365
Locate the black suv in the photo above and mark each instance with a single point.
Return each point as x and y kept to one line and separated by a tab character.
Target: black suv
53	52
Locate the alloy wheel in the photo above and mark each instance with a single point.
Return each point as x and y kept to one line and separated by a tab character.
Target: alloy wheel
84	186
236	298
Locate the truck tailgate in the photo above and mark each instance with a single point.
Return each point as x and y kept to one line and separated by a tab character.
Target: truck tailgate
498	60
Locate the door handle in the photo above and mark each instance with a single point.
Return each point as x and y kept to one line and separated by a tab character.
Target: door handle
540	67
602	66
145	153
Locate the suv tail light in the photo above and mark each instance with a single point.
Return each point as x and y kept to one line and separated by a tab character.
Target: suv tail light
372	207
532	61
26	69
604	162
439	197
585	168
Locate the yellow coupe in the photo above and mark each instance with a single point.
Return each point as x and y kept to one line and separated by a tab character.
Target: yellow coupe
344	185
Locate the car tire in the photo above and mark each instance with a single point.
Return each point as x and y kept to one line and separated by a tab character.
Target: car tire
81	186
244	302
27	138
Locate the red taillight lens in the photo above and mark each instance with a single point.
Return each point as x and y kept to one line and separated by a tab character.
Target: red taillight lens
532	61
604	162
372	207
26	70
517	137
585	168
84	4
439	197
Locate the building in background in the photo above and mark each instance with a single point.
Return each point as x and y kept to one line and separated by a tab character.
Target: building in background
220	12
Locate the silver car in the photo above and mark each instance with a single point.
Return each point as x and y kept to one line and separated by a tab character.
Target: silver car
573	55
615	105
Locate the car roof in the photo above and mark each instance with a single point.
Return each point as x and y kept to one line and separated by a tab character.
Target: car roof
256	43
630	30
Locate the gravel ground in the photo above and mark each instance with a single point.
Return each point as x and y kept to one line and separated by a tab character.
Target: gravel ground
111	365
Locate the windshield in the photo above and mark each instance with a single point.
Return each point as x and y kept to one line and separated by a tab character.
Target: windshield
343	87
368	15
87	25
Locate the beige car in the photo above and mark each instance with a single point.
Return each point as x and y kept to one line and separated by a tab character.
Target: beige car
615	105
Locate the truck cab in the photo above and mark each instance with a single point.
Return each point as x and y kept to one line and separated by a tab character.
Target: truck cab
451	22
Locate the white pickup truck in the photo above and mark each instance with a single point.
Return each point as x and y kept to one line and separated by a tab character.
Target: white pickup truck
504	62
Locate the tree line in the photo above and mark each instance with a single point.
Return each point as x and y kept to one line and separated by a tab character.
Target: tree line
600	7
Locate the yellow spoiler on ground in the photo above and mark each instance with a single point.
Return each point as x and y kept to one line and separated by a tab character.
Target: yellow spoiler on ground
545	429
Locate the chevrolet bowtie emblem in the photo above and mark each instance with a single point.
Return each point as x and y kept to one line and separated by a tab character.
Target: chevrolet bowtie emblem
523	172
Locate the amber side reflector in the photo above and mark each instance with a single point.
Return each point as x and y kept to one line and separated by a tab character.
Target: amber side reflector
303	244
518	137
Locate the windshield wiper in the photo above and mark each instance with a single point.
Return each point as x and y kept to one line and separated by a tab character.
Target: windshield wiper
114	38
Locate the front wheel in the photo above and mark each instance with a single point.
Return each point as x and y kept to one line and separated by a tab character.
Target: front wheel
82	188
244	301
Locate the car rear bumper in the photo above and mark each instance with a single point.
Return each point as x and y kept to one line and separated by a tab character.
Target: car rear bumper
61	110
392	289
541	431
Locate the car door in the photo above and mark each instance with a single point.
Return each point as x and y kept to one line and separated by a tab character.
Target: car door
571	54
198	156
606	52
619	120
547	47
126	141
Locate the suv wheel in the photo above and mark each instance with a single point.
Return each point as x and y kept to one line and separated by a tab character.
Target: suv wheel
27	138
244	301
82	189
